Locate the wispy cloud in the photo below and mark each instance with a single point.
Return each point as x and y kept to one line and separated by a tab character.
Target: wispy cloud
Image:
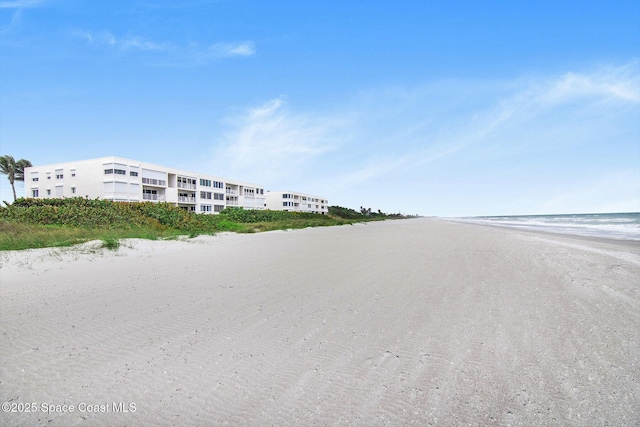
123	43
196	55
507	142
173	54
16	18
21	4
520	116
608	83
15	22
269	142
238	49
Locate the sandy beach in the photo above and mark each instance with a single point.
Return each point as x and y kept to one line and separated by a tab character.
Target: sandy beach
408	322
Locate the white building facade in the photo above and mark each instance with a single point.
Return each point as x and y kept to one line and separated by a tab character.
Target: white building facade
296	202
120	179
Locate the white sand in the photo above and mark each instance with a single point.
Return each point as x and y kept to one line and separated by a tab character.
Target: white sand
417	322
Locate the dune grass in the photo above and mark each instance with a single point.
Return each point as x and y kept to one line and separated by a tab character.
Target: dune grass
18	236
43	223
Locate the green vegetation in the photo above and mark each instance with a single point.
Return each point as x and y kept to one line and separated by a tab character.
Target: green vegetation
365	213
38	223
111	244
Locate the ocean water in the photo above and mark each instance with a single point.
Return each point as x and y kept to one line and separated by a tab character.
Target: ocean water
624	226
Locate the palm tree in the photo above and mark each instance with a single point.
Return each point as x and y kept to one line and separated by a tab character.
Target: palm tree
14	170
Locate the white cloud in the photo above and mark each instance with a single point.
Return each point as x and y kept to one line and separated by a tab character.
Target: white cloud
21	4
506	147
269	142
218	51
174	55
124	43
519	116
523	146
240	49
621	83
16	19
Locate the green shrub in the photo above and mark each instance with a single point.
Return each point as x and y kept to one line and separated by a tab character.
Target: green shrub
111	244
31	223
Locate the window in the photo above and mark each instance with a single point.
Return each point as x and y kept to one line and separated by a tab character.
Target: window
73	190
205	195
120	171
132	173
151	181
34	193
73	173
205	208
218	208
218	196
59	176
48	192
35	179
148	194
108	171
217	184
205	182
152	177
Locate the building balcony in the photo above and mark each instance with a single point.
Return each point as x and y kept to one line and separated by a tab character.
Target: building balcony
185	199
154	182
232	203
157	197
186	186
232	192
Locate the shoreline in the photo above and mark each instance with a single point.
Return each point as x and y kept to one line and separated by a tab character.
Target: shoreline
407	321
605	241
565	229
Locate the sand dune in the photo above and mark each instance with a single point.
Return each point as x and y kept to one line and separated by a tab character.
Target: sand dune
412	322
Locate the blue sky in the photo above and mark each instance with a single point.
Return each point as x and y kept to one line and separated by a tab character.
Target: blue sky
447	108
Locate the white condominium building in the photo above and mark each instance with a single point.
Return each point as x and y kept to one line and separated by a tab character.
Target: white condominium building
119	179
296	202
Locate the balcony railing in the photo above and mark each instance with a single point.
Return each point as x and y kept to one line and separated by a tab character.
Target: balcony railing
186	186
156	182
184	199
159	197
233	192
232	203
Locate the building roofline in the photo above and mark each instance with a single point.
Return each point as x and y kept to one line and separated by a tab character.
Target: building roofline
152	165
